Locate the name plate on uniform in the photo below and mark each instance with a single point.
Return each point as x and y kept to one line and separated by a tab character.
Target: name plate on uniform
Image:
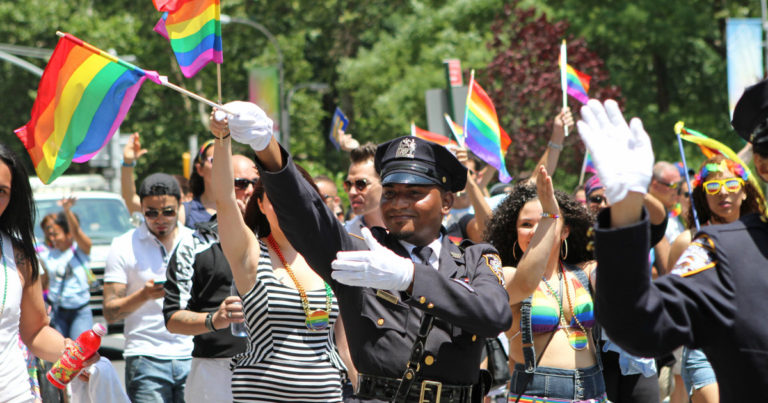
387	296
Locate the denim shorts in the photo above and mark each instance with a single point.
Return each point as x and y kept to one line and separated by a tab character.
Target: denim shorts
557	383
696	370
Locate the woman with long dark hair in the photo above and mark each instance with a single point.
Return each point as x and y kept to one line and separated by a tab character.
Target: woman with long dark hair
722	193
290	312
22	311
542	234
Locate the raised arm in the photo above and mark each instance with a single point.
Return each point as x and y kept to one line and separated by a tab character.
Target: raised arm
131	153
555	145
537	256
83	241
483	212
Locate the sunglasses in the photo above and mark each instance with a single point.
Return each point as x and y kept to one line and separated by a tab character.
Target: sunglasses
360	184
597	199
672	185
243	183
166	212
732	185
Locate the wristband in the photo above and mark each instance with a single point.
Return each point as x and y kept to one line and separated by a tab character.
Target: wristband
555	146
550	215
127	165
209	322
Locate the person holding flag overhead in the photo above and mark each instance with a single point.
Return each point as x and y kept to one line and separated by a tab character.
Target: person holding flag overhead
416	307
713	298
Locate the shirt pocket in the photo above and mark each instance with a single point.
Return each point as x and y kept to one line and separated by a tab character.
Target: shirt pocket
384	314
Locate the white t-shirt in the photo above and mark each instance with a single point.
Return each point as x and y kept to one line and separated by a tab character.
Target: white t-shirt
134	258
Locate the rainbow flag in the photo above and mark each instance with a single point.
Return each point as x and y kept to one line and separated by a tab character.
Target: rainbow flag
430	136
194	29
82	98
578	84
458	133
482	130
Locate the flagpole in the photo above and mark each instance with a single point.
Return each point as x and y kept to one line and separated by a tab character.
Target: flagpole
218	79
583	167
162	80
678	128
469	95
564	80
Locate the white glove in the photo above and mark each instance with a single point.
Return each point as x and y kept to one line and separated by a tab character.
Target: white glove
378	267
622	154
248	124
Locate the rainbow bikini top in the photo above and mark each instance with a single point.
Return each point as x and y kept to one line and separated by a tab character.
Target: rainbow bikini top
545	310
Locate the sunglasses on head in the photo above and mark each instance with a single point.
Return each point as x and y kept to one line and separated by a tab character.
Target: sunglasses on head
597	199
166	212
243	183
732	185
360	184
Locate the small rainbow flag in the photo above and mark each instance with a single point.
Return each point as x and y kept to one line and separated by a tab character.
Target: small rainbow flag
458	132
482	130
82	98
194	29
578	84
430	136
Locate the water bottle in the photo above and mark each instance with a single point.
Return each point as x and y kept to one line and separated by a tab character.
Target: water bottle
71	362
238	329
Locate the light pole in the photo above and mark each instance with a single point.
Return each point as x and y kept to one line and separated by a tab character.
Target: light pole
319	87
226	19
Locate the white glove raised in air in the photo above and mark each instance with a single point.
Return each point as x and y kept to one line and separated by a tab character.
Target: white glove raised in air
378	267
248	124
622	153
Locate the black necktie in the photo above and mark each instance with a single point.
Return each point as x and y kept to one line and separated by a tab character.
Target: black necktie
424	253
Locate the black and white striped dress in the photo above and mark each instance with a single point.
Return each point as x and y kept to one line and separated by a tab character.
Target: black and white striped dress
285	361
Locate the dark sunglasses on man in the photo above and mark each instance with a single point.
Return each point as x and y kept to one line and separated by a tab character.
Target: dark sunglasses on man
166	212
360	184
671	185
243	183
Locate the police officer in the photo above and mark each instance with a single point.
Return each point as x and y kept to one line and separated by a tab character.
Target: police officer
416	307
714	298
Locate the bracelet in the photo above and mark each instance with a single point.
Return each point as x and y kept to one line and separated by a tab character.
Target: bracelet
555	146
209	322
222	137
550	215
127	165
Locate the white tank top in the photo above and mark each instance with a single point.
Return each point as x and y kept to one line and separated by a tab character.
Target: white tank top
14	379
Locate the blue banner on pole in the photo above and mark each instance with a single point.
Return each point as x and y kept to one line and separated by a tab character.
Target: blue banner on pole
339	121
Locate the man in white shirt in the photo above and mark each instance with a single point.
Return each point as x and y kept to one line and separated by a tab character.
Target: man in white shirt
364	189
156	361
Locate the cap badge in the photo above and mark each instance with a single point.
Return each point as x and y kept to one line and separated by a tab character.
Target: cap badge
406	149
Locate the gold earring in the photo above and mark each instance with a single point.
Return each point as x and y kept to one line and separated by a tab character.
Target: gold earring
514	249
564	256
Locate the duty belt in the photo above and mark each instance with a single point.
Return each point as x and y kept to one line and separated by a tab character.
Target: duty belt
383	388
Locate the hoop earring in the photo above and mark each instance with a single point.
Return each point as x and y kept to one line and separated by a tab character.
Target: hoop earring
514	249
564	256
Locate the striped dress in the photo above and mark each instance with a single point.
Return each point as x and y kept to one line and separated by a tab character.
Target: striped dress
285	361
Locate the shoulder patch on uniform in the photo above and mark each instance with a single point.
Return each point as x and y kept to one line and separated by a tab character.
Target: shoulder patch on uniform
493	261
696	259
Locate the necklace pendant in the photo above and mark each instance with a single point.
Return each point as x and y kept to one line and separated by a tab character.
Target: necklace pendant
317	320
577	339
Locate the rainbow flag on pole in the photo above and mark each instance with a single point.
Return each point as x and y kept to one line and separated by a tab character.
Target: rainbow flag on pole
578	84
82	98
482	131
194	29
430	136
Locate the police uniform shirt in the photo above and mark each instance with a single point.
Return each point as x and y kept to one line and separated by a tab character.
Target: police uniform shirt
713	299
465	294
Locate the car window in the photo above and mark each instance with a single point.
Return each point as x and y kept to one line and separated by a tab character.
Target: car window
101	219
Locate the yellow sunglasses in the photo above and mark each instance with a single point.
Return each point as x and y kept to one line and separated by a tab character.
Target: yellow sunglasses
732	185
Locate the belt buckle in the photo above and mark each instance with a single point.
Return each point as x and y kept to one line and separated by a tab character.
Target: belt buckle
429	384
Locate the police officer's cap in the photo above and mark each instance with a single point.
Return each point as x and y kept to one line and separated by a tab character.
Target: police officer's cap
751	114
413	161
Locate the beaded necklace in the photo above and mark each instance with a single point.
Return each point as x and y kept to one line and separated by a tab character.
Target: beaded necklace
5	280
577	338
315	320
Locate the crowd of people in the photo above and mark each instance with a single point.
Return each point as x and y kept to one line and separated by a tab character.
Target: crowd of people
253	282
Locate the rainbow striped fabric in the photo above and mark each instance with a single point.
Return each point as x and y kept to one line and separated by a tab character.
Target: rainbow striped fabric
535	399
583	308
82	98
458	133
578	84
430	136
194	29
482	130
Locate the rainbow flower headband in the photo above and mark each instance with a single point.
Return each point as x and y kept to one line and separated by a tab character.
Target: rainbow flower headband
724	165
